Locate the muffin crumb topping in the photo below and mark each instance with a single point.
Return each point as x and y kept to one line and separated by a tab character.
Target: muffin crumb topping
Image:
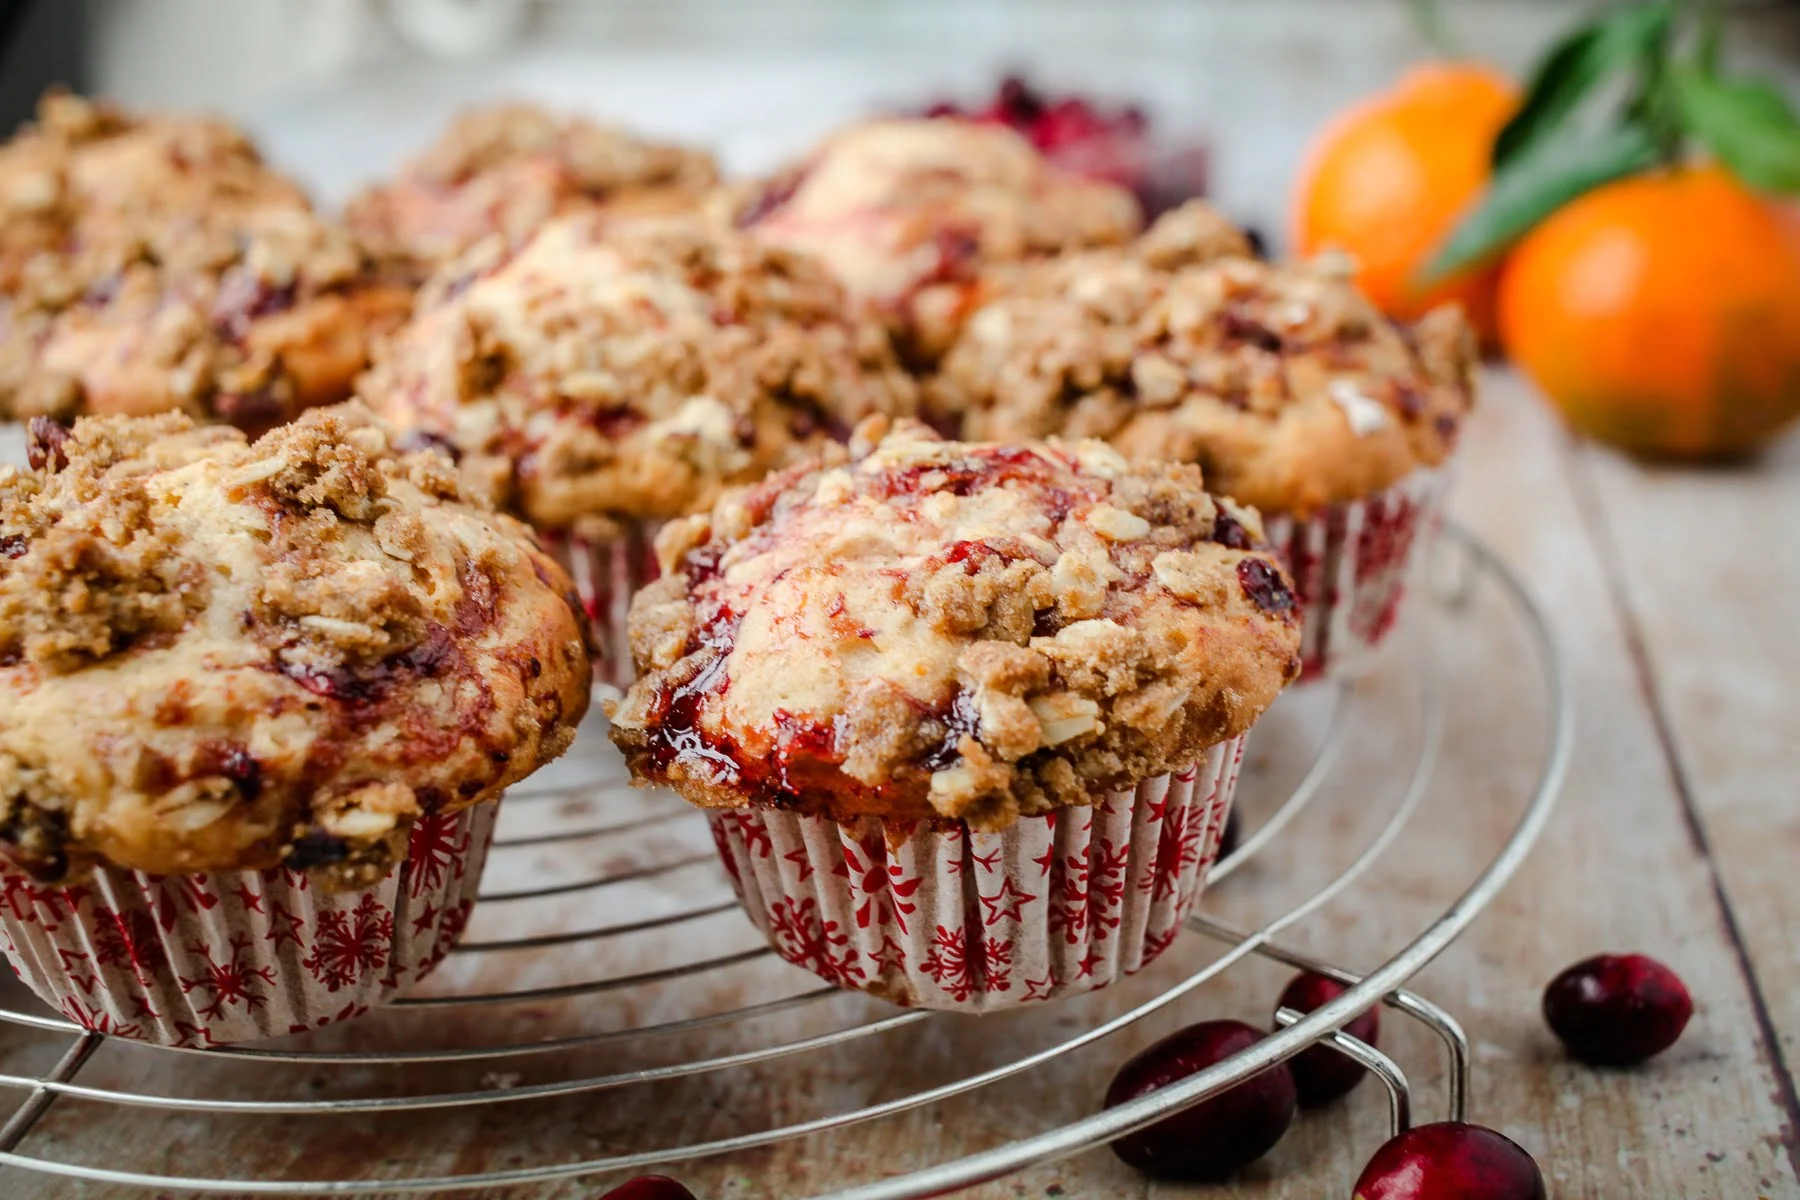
1282	382
939	630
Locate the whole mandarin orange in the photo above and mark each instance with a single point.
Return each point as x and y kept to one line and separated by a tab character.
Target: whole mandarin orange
1662	313
1387	181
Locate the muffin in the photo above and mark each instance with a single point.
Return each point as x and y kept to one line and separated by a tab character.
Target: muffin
913	213
155	265
87	171
1282	382
610	375
506	170
256	702
966	717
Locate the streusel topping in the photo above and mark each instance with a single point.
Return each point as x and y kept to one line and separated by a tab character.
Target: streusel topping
909	213
633	368
88	177
506	170
944	630
217	654
247	316
1282	381
153	264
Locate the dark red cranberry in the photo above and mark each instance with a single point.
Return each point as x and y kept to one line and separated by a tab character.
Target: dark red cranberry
1241	326
1264	584
243	298
316	848
253	411
417	440
1219	1135
649	1187
45	445
14	545
241	767
1450	1161
1228	531
1616	1009
1323	1073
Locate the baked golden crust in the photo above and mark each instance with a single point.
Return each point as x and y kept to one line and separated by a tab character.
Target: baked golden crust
154	264
632	368
912	212
509	168
1283	382
220	655
941	630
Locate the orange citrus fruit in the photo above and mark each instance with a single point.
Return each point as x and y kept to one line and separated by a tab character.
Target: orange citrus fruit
1662	313
1388	180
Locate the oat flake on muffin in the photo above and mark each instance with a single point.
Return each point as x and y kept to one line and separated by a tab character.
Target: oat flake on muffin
1282	381
507	169
631	370
911	212
948	631
219	655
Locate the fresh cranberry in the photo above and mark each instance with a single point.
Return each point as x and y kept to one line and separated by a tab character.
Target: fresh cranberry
1616	1009
1323	1073
1219	1135
649	1187
1450	1161
1264	584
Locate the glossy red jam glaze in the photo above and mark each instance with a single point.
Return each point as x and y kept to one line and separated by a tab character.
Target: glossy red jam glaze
804	758
900	603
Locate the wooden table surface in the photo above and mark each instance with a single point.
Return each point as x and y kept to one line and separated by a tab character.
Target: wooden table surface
1673	593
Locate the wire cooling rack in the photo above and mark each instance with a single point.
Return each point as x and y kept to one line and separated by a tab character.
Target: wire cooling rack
612	1012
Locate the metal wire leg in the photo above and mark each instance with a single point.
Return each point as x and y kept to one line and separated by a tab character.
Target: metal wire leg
40	1099
1380	1065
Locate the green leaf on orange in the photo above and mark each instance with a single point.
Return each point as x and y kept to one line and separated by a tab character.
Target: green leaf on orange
1530	188
1747	123
1630	37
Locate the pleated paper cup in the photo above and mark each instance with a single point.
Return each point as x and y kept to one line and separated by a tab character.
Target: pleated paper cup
230	956
1350	562
607	573
968	921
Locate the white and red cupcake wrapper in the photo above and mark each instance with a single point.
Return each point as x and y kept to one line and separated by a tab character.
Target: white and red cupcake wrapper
975	922
607	573
1349	563
229	956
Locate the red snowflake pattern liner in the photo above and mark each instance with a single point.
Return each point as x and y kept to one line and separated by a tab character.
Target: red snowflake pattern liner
607	574
1350	562
229	956
974	922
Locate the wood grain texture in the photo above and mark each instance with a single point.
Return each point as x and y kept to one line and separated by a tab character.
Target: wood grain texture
1706	575
1618	869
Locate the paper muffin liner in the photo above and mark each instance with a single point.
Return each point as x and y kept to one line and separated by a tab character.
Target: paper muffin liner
228	956
975	922
1350	562
607	573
